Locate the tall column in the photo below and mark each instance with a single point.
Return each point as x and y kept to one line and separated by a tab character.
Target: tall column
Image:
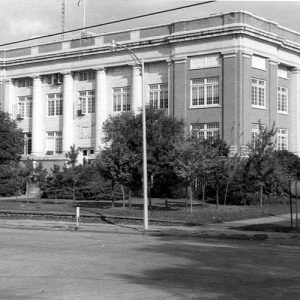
8	101
294	103
101	106
68	139
136	89
38	112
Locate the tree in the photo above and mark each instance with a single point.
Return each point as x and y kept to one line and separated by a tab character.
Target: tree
260	165
162	133
72	156
119	164
198	161
11	139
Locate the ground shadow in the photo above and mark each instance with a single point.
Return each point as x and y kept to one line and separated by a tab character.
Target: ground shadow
214	270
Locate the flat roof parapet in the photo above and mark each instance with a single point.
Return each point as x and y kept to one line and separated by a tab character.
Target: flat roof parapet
161	30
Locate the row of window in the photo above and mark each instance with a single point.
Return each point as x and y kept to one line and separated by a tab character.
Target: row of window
55	79
53	144
158	98
200	130
208	130
204	93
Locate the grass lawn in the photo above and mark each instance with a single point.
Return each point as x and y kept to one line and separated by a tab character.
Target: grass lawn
175	210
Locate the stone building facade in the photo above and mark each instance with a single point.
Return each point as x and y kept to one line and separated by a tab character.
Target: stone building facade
221	74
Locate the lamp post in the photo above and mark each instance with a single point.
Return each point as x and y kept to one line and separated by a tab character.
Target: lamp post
140	64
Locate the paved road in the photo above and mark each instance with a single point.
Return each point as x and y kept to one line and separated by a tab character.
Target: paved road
54	262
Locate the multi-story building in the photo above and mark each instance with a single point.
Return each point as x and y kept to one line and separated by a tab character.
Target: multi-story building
221	74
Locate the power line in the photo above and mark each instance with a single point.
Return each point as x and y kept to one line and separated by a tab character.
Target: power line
108	23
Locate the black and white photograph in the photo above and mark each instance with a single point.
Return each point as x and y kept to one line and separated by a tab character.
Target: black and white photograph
149	149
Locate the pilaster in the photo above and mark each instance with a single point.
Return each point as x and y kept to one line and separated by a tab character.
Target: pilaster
136	97
294	102
38	112
101	106
68	139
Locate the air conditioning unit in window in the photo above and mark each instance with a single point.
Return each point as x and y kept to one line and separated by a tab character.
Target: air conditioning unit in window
56	79
20	117
49	153
80	112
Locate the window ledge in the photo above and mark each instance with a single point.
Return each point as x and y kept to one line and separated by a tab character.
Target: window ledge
259	107
200	68
282	112
205	106
259	69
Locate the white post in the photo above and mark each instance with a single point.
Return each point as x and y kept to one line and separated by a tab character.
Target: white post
77	216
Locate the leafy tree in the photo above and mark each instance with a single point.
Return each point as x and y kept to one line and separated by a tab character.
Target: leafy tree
162	133
11	139
119	164
72	156
198	160
260	166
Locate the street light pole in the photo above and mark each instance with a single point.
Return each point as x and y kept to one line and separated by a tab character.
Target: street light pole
140	64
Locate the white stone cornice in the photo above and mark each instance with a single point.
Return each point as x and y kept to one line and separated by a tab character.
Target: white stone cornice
230	53
247	54
180	59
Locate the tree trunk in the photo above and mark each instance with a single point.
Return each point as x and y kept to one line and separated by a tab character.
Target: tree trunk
291	205
113	195
203	193
217	196
123	195
73	192
226	192
261	196
191	196
129	199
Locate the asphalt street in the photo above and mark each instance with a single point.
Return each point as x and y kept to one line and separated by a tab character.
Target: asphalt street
113	262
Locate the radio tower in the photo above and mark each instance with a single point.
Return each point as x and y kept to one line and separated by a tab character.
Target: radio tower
62	19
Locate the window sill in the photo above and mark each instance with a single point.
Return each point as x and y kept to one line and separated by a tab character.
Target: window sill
259	107
204	68
205	106
283	112
256	68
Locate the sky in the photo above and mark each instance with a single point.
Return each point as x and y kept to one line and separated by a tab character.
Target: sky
21	19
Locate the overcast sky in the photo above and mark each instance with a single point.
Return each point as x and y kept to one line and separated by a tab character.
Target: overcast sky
20	19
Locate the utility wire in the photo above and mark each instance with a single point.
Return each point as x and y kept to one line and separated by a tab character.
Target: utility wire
108	23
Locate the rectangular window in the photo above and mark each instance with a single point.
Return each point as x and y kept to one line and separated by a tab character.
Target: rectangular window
255	129
27	143
55	104
205	130
25	107
158	96
282	99
205	92
206	61
24	82
282	139
54	142
86	101
258	93
258	62
121	99
86	75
